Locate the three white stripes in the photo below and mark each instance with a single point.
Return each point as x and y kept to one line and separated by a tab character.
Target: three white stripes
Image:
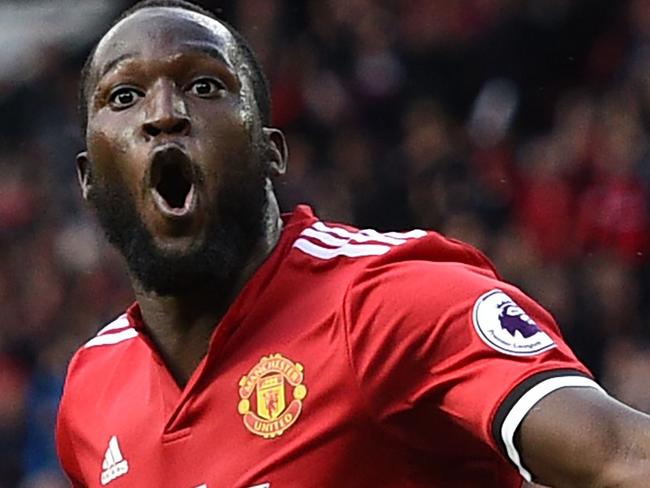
108	336
326	242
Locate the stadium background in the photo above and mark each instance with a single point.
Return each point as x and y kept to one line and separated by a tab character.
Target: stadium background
520	126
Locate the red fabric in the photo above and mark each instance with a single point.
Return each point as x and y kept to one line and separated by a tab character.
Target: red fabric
400	391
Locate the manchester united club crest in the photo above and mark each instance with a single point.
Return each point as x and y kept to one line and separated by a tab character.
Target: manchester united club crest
271	396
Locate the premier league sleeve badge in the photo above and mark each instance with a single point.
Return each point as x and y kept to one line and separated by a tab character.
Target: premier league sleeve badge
505	326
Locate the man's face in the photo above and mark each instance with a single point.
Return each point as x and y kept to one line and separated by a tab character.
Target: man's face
174	161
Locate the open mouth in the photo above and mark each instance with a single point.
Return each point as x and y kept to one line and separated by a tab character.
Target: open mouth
173	181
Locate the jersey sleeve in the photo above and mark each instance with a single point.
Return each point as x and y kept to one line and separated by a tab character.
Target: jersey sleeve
452	340
64	447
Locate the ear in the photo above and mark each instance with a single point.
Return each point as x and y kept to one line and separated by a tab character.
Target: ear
84	174
277	151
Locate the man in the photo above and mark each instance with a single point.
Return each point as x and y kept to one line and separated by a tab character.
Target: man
269	351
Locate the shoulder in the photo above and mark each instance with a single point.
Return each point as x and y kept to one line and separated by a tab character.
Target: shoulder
90	361
89	374
431	275
418	298
436	287
414	267
117	331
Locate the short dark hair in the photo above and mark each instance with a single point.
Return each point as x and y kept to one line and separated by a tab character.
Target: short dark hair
260	83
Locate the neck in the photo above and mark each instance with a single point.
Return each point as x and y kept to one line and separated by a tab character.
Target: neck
181	325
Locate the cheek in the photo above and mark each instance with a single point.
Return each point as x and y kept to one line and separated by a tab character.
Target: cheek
227	139
113	156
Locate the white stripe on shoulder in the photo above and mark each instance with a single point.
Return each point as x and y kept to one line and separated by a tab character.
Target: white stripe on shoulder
412	234
327	242
119	323
349	250
339	231
110	339
525	405
366	235
324	237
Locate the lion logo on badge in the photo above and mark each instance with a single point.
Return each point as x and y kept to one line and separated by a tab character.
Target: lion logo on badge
271	396
505	326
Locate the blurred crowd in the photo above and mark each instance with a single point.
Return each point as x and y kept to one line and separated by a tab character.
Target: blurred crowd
522	127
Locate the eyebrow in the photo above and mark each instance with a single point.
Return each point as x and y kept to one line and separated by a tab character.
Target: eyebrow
201	47
114	62
209	50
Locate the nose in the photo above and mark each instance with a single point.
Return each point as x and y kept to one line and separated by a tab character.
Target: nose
167	112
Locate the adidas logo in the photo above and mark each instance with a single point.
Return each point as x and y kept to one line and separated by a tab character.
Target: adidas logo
114	464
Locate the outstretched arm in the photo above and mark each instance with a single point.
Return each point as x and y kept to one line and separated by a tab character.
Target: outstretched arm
581	437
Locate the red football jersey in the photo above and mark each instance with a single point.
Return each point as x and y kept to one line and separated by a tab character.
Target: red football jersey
352	358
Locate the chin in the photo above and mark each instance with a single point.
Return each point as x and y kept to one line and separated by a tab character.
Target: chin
178	247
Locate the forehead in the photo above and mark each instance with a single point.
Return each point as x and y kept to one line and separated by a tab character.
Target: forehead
163	31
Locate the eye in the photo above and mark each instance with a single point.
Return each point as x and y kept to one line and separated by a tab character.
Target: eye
124	97
207	88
